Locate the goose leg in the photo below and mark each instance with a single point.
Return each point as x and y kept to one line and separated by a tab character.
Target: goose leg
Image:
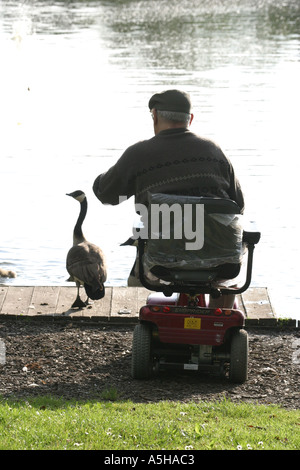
88	301
78	302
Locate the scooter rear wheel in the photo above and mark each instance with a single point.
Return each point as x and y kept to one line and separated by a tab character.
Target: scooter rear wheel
238	370
141	365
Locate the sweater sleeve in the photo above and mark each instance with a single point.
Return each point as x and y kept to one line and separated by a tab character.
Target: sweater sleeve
117	181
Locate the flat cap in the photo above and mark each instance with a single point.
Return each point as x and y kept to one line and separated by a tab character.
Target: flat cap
171	100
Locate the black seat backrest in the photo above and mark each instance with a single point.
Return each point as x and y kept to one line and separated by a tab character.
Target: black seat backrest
192	233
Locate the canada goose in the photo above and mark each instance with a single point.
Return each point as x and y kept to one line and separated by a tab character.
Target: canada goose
85	261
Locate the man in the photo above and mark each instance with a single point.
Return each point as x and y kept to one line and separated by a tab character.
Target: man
174	161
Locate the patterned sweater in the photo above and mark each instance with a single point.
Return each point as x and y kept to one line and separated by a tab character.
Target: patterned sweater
175	161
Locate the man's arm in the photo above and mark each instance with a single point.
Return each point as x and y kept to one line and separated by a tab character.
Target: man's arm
117	181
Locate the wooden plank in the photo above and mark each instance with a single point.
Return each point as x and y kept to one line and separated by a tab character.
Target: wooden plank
101	307
67	295
124	302
44	300
127	301
3	292
17	300
257	303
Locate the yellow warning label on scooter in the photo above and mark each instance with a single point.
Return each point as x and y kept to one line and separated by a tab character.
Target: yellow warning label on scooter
192	323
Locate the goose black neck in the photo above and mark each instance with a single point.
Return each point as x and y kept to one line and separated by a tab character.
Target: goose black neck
78	227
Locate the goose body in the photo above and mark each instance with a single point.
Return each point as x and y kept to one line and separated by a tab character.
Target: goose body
85	261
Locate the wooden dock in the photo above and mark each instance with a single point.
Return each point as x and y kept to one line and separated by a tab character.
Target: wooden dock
120	304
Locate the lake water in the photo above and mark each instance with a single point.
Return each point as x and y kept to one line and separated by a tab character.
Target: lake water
75	81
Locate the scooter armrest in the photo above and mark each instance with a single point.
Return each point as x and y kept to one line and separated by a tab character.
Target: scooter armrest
251	237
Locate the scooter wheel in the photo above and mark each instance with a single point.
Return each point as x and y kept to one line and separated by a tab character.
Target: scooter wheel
238	369
141	364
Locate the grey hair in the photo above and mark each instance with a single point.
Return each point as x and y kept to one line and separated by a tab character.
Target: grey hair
175	116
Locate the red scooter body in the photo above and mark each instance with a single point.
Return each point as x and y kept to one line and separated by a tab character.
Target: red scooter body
177	322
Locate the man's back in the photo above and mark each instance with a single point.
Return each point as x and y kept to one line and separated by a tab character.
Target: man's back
175	161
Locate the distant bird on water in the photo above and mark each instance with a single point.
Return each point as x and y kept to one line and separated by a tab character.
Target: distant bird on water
85	261
5	273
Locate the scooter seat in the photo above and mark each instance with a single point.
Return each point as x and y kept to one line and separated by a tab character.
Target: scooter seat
226	271
172	275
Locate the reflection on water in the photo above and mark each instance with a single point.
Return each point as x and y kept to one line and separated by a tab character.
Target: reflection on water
76	77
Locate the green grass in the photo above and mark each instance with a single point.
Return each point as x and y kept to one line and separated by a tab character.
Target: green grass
47	423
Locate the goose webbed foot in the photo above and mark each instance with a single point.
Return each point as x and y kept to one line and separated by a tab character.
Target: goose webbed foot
78	303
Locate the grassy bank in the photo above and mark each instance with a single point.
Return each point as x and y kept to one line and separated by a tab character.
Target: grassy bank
49	423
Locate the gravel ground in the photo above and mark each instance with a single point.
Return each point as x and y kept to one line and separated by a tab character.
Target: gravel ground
84	361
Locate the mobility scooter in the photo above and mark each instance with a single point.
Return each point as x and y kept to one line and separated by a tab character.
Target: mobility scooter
178	329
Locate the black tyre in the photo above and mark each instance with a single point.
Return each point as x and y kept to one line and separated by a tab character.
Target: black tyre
238	370
141	364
